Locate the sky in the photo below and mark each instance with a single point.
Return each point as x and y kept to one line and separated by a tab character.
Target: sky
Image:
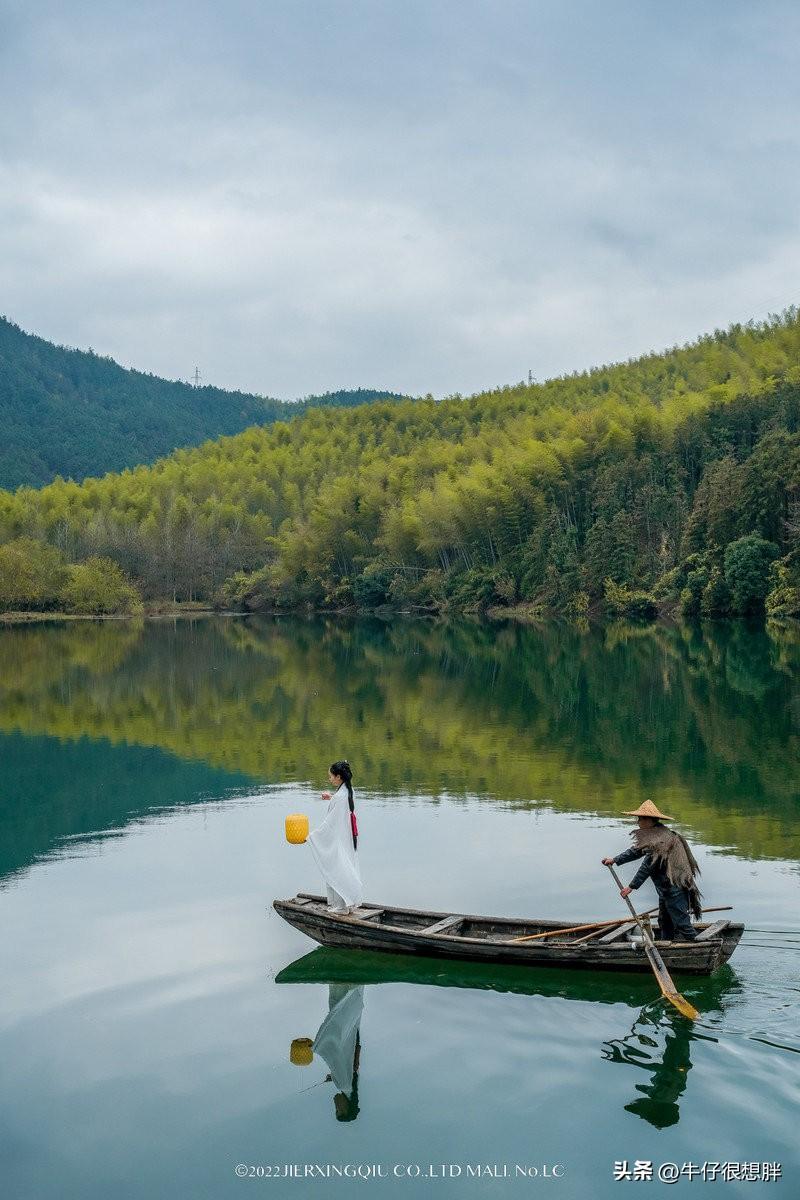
420	195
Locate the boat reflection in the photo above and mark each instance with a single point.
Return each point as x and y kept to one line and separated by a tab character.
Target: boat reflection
658	1044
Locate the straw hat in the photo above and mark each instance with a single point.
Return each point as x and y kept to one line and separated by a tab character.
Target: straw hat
648	809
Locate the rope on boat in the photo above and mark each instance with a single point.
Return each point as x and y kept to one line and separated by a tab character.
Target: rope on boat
773	932
769	946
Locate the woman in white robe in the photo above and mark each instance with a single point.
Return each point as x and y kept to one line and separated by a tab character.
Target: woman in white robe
333	843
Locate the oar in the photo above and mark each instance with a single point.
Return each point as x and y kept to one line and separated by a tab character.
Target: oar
533	937
668	989
626	923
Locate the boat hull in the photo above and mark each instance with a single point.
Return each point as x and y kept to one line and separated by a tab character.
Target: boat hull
490	939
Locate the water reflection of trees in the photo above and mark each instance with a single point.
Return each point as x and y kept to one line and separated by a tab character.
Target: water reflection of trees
52	790
706	719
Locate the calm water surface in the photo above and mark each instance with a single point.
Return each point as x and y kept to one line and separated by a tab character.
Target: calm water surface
151	996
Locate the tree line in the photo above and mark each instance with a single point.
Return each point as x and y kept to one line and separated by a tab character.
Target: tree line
74	413
668	482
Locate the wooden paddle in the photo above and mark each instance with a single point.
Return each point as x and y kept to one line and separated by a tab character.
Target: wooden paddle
597	925
626	923
534	937
668	989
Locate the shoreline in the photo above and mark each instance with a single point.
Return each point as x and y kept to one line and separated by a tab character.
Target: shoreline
36	618
523	614
527	614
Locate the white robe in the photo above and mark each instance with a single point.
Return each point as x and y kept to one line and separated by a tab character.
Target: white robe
332	846
336	1036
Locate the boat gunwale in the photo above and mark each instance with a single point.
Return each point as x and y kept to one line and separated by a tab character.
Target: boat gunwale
346	921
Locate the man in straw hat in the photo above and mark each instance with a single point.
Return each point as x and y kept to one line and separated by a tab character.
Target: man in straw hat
670	864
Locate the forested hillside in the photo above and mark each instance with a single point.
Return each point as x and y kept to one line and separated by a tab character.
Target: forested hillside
72	413
673	480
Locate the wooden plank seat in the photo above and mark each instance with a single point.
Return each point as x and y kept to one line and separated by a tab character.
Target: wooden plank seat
617	932
363	914
447	924
713	931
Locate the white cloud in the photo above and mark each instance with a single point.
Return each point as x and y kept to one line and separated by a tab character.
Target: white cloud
423	197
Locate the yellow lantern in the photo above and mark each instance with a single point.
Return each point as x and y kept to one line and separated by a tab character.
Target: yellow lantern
296	828
301	1053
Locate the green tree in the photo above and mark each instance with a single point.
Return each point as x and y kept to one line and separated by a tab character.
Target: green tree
696	576
716	598
747	572
783	599
31	575
99	587
625	602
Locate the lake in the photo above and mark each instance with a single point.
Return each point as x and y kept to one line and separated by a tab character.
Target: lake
152	998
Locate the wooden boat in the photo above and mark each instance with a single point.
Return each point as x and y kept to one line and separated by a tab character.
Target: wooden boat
491	939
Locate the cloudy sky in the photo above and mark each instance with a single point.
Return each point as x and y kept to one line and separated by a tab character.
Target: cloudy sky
422	195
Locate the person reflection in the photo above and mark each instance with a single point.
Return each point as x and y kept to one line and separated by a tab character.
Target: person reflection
338	1043
658	1043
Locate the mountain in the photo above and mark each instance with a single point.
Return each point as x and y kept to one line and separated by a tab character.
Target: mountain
74	413
670	480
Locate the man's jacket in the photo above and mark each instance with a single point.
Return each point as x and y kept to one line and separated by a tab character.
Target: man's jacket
651	868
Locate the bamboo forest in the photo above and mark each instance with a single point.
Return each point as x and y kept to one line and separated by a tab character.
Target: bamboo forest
669	483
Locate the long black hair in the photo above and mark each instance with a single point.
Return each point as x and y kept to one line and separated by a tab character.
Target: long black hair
342	769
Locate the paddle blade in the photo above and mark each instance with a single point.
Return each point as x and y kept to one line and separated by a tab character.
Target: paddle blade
682	1004
668	989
